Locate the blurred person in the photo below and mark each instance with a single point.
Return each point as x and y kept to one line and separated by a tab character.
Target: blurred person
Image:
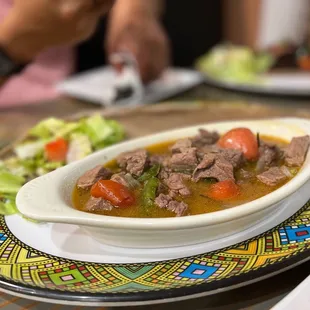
138	26
37	34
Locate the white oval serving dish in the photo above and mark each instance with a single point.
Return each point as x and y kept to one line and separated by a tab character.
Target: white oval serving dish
49	198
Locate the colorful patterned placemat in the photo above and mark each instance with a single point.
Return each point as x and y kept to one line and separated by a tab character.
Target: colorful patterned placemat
43	275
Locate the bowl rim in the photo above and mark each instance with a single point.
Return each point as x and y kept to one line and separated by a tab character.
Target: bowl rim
74	216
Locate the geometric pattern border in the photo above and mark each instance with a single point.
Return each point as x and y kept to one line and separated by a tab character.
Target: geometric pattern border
24	265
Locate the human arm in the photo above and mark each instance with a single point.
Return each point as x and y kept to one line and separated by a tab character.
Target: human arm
135	27
33	26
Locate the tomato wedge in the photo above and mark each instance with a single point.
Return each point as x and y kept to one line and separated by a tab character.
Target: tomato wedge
242	139
116	193
56	150
223	190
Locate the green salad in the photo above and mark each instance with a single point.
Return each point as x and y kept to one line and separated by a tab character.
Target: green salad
235	63
49	145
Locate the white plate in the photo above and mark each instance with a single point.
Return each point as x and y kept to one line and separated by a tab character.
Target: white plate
298	299
97	85
290	84
65	240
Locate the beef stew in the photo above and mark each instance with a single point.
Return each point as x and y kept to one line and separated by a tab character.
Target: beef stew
190	176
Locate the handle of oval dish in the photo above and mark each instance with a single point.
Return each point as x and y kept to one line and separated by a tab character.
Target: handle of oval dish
44	197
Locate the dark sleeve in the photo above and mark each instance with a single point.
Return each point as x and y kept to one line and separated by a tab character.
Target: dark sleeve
91	54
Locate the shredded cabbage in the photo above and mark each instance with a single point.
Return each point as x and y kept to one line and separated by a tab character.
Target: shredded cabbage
9	183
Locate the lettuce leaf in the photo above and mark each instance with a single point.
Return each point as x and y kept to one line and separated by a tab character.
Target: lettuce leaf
117	135
235	63
8	207
47	128
96	128
9	183
102	132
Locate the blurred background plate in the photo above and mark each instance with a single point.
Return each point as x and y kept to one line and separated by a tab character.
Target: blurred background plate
96	86
281	84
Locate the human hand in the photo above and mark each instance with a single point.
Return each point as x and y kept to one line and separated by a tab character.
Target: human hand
140	33
32	26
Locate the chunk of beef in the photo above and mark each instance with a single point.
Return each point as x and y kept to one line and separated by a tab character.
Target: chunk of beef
175	183
272	177
207	149
235	157
98	205
206	162
186	160
161	189
205	137
214	166
296	151
178	207
164	173
165	201
181	145
133	162
268	155
90	177
162	201
158	159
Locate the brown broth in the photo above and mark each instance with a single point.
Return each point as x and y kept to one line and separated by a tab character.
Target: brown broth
198	203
